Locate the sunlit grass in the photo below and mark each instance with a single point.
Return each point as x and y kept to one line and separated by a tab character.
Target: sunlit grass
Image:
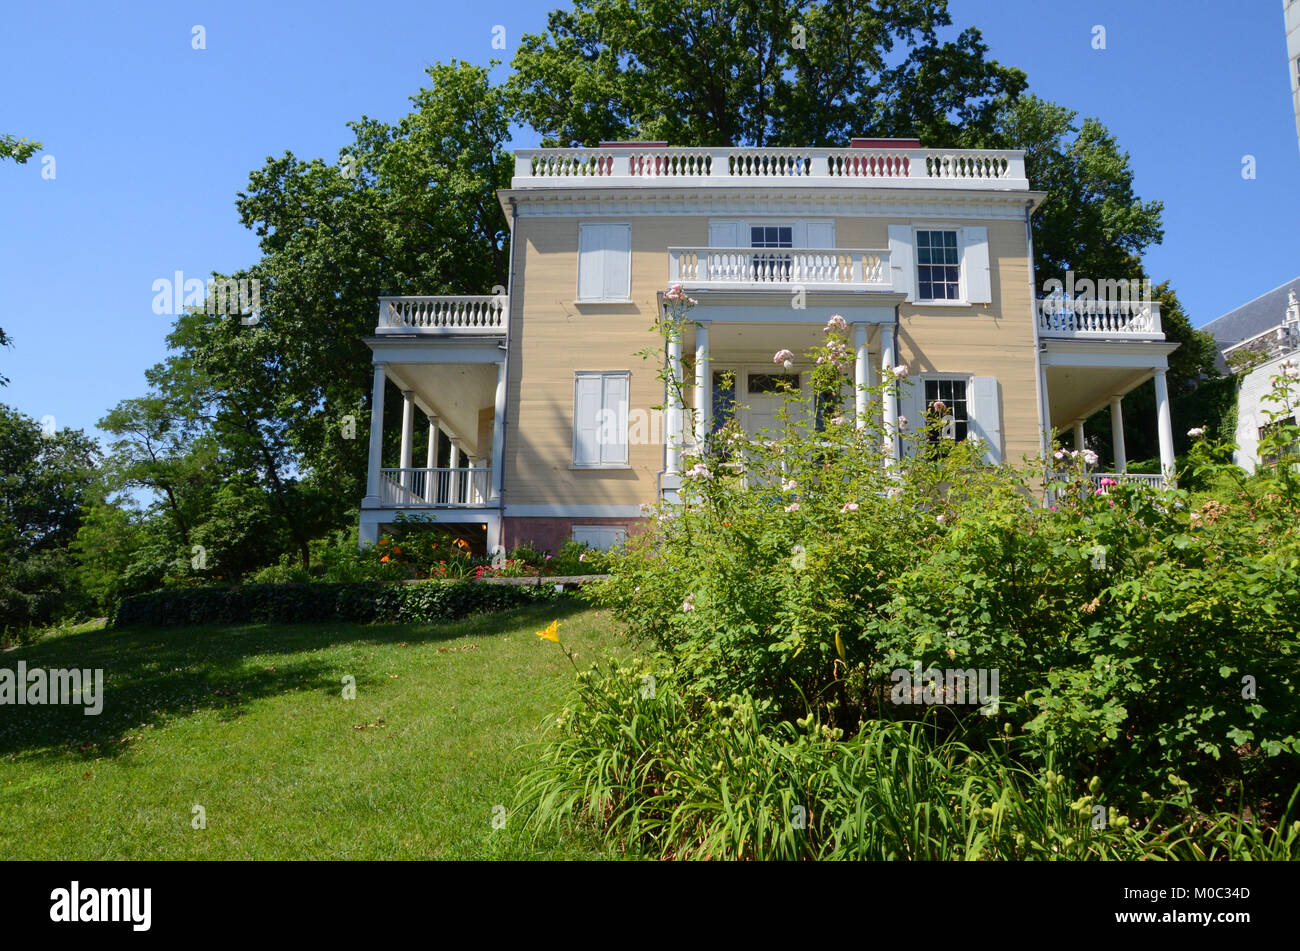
249	722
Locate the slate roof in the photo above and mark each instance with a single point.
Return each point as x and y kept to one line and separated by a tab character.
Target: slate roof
1252	318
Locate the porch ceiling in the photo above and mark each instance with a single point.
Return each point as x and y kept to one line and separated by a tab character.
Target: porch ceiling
455	392
1078	392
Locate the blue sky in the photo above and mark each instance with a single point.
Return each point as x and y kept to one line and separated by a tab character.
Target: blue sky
152	139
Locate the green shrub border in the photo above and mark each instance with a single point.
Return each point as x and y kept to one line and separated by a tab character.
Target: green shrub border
362	602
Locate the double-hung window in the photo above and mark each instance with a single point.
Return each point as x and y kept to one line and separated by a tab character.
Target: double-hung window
600	414
938	266
946	409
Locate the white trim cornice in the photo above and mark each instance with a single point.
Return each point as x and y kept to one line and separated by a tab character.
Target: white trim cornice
771	201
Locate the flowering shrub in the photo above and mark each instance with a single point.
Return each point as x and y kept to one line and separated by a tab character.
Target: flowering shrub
1135	633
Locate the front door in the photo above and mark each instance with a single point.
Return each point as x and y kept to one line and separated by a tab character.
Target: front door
765	396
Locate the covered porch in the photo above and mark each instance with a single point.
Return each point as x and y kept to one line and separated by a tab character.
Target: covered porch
1082	377
722	363
452	392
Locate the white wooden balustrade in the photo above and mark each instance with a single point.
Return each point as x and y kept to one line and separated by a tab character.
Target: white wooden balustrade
484	314
1152	479
459	487
1093	318
942	168
748	267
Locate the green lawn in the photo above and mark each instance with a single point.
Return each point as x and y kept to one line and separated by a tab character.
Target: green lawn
250	723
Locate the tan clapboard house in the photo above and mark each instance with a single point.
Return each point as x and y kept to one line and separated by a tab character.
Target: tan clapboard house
527	416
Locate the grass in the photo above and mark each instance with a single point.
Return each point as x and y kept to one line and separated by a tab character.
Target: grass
249	722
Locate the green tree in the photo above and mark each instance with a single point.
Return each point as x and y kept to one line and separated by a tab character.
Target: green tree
45	478
1091	220
409	208
750	72
158	447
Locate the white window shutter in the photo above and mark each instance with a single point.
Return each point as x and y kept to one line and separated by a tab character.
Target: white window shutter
900	260
618	262
911	403
975	265
586	420
725	234
591	262
821	235
613	443
986	416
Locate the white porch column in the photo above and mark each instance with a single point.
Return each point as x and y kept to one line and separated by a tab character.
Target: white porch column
499	433
1078	435
376	436
861	369
703	389
673	408
1117	433
453	492
408	434
1164	427
431	457
890	408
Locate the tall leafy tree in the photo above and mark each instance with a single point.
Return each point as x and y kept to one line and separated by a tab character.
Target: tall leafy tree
409	208
754	72
45	479
159	447
1091	220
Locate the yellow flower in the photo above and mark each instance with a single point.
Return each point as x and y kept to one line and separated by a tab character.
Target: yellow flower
551	633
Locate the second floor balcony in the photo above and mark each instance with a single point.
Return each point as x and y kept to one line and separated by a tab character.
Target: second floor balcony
448	314
725	268
1099	319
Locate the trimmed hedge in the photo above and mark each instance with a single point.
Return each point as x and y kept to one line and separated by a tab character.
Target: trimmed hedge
296	603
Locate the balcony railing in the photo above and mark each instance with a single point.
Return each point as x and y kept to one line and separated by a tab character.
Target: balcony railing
1099	319
853	268
457	488
443	315
930	168
1153	479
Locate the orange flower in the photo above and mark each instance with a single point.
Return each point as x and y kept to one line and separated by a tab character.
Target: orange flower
397	551
461	543
385	558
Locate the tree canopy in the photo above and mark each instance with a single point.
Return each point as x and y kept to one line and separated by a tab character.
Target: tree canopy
750	72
